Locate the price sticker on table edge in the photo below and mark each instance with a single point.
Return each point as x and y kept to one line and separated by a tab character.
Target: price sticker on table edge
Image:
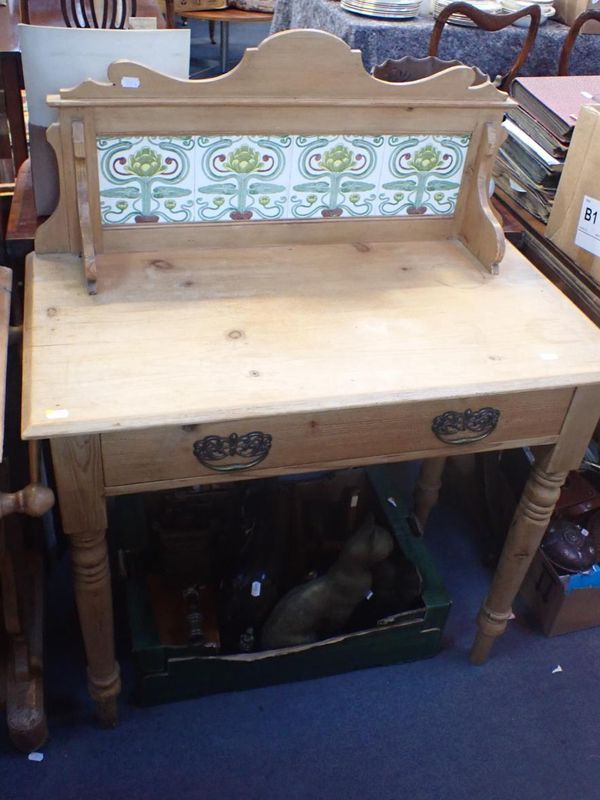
588	226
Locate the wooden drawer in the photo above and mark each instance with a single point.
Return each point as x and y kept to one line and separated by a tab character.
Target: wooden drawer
330	439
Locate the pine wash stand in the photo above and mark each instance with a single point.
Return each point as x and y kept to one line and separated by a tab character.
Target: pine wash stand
293	266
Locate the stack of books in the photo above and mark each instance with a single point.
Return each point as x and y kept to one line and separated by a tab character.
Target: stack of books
531	159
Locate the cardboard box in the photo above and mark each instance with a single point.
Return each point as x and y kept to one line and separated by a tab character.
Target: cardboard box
579	178
556	605
166	671
567	11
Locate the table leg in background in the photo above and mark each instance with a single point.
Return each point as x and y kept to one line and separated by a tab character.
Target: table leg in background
428	488
224	38
11	83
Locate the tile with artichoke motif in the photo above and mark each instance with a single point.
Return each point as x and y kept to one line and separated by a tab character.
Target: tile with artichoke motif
335	176
242	177
229	178
146	179
421	175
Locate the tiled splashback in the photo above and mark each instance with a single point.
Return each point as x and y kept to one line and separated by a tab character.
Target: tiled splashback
225	178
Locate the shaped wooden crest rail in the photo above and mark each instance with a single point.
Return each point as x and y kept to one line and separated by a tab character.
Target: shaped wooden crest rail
295	85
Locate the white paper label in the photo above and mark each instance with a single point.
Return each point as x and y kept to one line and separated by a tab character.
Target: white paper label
57	413
130	83
588	226
516	186
256	587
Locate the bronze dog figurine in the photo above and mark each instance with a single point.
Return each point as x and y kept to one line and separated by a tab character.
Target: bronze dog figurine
321	607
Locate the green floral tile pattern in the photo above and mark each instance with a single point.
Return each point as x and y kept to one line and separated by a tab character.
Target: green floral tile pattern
422	175
247	177
335	176
146	179
230	178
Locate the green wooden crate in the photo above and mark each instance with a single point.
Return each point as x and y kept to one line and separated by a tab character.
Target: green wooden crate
166	673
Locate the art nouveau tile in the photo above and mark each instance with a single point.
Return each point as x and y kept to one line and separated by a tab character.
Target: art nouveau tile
335	176
242	177
421	175
225	178
146	179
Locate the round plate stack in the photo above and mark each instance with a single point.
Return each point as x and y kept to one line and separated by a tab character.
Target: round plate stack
387	9
489	6
546	7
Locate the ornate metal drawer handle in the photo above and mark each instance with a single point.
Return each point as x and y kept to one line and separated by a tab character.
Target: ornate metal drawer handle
449	426
254	445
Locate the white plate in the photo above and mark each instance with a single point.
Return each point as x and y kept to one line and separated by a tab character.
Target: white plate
364	13
373	5
489	6
369	12
390	9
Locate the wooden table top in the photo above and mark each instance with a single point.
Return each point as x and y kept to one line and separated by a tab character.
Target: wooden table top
178	338
228	15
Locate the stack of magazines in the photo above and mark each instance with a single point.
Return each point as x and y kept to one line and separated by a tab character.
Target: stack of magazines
539	131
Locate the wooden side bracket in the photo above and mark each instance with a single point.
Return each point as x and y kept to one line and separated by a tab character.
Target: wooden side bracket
479	228
83	205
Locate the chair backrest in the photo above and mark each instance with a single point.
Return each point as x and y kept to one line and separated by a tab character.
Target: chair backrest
410	68
112	14
491	22
574	31
268	154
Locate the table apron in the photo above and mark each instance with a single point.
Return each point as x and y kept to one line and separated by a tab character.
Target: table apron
165	457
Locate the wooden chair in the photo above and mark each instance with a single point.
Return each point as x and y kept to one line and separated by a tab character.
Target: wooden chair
21	567
574	31
86	14
409	68
491	22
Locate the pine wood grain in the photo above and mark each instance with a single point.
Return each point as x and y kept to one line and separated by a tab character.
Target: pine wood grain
334	438
188	338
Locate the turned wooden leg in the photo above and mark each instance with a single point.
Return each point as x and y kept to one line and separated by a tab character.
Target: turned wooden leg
524	536
79	479
533	515
428	488
91	575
